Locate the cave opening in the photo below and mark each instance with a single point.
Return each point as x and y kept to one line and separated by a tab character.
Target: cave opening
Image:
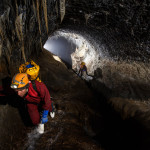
61	48
73	48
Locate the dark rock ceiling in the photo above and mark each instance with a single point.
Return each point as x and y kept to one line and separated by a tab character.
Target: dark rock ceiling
123	26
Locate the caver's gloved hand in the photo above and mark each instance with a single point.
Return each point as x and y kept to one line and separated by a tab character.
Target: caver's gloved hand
52	113
44	118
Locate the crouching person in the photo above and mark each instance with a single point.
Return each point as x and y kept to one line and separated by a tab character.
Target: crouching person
34	98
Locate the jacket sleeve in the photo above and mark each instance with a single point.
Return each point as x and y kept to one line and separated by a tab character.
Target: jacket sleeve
45	96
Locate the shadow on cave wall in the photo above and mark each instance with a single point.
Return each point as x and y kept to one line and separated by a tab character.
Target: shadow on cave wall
134	90
131	89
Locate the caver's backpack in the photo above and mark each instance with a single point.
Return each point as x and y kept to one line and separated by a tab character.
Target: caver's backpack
32	70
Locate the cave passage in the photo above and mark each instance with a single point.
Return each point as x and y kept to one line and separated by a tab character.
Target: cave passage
111	111
73	48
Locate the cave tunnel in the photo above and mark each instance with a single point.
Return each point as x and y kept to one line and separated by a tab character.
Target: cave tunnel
109	109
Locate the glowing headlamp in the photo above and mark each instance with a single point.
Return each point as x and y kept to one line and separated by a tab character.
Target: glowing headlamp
14	86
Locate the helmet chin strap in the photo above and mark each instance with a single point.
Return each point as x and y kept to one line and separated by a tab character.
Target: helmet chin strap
26	94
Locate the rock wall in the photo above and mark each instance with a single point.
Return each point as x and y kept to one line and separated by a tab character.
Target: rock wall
24	27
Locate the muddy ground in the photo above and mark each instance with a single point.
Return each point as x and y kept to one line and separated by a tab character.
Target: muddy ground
85	119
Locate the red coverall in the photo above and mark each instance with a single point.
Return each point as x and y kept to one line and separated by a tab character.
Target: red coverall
33	98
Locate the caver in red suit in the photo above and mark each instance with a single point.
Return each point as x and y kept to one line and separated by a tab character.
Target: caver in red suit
36	95
35	98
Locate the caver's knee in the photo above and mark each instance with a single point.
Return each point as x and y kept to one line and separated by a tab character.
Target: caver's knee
35	121
34	114
35	117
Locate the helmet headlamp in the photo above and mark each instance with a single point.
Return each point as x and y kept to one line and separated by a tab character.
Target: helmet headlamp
14	86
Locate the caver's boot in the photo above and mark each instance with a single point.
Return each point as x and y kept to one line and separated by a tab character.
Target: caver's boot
40	128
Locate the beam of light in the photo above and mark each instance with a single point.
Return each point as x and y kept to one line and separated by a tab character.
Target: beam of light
57	58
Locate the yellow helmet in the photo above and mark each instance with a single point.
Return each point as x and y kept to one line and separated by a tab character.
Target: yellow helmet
83	63
20	81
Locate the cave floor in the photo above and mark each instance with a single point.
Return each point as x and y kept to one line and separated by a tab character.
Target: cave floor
84	119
